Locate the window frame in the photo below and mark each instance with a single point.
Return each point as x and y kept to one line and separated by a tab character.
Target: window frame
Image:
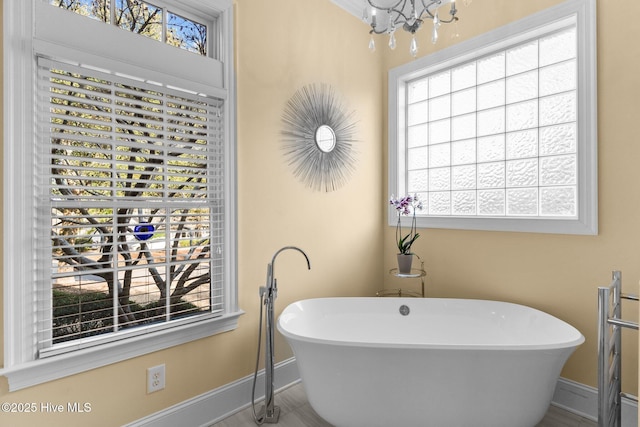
22	40
529	27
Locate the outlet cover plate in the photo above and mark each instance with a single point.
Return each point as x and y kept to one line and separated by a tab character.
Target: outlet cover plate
155	378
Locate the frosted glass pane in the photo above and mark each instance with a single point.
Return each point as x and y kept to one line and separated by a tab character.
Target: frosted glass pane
463	77
424	198
522	116
439	155
440	203
417	90
463	152
491	68
522	87
497	136
417	181
522	201
440	179
558	47
463	177
417	158
440	107
491	202
491	148
491	95
417	113
463	102
522	173
558	109
559	139
522	58
463	127
558	170
491	121
491	175
439	131
417	135
558	201
439	84
558	78
522	144
464	203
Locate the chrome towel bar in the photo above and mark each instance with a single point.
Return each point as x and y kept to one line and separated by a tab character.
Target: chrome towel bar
610	324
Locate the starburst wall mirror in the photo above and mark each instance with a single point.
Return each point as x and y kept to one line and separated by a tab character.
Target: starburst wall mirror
318	137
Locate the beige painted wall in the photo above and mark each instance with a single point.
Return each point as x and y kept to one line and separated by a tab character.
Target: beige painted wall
556	273
279	49
341	231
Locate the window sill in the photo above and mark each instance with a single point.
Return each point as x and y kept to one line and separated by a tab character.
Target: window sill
53	368
588	226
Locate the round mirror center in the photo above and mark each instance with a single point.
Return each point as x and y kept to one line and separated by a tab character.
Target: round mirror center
325	138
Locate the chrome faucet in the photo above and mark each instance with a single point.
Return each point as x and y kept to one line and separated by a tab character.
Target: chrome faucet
271	413
271	287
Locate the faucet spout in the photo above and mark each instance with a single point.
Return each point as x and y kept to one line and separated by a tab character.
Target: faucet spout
271	267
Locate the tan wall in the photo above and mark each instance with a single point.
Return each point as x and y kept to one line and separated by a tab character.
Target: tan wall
556	273
276	54
279	49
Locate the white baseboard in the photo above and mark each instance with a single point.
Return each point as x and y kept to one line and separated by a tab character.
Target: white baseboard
216	405
583	400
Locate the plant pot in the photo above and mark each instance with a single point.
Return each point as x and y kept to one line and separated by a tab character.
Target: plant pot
404	263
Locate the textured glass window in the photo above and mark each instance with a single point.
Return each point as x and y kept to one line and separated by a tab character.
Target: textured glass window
496	136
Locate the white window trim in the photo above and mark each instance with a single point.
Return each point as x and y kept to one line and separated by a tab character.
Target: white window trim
587	222
21	366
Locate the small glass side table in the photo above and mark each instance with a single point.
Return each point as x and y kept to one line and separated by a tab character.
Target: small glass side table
415	273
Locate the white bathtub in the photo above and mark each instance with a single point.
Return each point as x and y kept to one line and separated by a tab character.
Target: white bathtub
447	363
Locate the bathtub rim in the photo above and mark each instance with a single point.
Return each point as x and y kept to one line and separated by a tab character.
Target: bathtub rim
569	344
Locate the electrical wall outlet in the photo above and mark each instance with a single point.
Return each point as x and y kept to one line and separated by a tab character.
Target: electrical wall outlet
155	378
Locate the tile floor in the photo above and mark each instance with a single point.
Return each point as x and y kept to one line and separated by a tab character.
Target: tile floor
295	411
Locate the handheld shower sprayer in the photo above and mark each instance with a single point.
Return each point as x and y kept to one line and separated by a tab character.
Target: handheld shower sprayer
268	294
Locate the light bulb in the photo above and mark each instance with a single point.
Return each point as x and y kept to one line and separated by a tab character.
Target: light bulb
372	44
392	40
413	48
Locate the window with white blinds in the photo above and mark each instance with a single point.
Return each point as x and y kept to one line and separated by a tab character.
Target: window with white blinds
130	205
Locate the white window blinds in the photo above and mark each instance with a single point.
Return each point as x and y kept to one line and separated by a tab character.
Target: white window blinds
131	206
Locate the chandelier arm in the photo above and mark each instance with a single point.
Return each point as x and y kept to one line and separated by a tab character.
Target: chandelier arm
393	9
425	7
386	8
452	12
448	21
374	31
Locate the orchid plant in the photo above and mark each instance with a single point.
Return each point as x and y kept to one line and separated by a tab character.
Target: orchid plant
406	205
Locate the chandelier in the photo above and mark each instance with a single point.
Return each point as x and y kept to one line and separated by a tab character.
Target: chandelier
385	16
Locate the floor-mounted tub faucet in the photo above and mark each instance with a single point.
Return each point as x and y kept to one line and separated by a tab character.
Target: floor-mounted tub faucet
268	294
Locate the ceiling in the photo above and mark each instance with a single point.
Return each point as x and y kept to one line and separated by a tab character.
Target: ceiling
354	7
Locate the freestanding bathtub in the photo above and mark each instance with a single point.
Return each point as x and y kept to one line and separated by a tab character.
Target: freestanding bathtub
427	362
